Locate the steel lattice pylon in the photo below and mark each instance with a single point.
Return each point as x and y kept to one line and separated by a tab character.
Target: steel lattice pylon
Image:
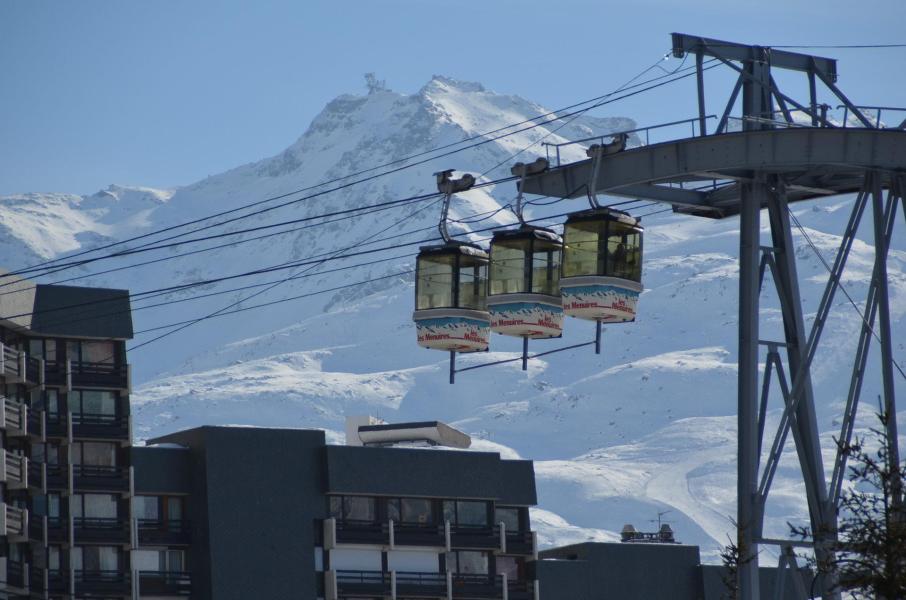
775	160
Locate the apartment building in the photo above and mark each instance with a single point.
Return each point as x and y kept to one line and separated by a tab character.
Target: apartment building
64	462
279	513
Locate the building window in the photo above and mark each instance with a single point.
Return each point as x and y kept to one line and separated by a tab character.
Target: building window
510	566
509	516
163	561
411	511
96	558
53	558
466	512
353	508
467	562
159	508
46	349
94	506
48	400
93	402
98	454
87	351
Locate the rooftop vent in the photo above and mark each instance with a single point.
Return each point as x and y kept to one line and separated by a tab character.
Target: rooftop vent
368	431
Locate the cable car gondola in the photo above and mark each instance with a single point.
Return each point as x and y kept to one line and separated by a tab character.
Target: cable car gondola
523	284
451	286
602	265
523	289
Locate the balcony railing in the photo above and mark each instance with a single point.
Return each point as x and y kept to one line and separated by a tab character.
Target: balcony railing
474	536
156	583
91	425
421	584
99	375
353	584
103	478
55	373
413	534
101	530
361	583
102	583
13	522
58	581
16	573
13	470
57	425
48	530
158	532
14	418
34	370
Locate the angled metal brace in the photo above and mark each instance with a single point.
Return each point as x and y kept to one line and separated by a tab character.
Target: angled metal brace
781	102
773	90
833	88
861	359
722	124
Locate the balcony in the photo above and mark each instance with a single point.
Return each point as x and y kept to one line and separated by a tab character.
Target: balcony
92	530
157	532
520	542
14	417
392	534
13	470
155	583
15	576
98	375
18	367
57	582
394	584
100	426
52	477
100	478
102	583
13	522
57	425
45	530
343	584
477	537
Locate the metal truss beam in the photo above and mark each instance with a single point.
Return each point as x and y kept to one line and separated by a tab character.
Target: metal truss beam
783	59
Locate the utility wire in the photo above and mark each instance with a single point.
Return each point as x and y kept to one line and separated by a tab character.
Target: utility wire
273	198
574	115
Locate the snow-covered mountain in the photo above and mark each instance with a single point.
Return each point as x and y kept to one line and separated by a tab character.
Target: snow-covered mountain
647	426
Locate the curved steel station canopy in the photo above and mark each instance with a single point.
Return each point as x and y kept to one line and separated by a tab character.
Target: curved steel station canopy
702	175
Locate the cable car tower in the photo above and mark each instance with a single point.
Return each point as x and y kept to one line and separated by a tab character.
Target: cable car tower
773	161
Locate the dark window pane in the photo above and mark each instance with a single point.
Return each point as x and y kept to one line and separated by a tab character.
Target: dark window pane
393	510
580	251
101	454
508	565
98	352
546	268
174	508
468	562
471	513
417	510
336	507
435	282
508	266
473	276
509	517
358	508
97	402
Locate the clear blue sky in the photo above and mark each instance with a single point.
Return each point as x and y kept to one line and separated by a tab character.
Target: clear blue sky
164	93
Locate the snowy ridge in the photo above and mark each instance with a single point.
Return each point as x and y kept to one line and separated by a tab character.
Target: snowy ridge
647	426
